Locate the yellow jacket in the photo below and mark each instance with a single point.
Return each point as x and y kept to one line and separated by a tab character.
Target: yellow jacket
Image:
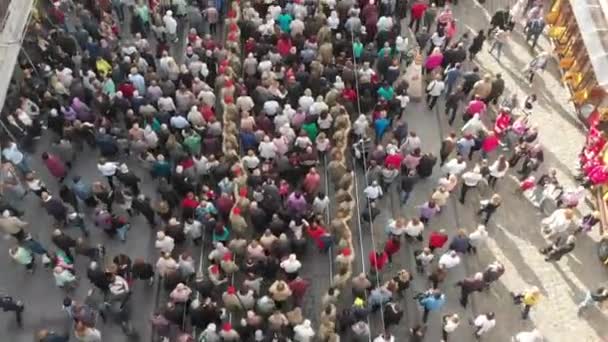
531	299
103	67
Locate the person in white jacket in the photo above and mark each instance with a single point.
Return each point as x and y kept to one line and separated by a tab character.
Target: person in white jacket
303	332
361	125
267	149
557	223
164	243
473	126
291	265
414	229
455	166
450	259
170	26
478	237
498	170
484	323
528	336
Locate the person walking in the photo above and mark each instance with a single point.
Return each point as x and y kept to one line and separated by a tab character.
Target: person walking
595	298
434	91
8	303
55	166
417	13
108	169
489	207
477	44
527	299
500	39
470	180
469	285
483	323
432	300
449	324
498	170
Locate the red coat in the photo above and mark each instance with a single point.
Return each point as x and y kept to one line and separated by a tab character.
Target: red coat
437	239
127	90
283	46
55	166
418	10
315	235
311	183
190	203
378	261
393	160
490	143
298	287
392	246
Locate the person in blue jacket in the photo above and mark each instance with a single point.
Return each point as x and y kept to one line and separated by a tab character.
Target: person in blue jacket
381	125
431	301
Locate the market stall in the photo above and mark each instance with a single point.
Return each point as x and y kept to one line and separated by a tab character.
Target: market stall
579	31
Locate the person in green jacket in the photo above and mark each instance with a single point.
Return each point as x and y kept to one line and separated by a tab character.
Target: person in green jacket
23	257
192	142
109	88
220	233
386	92
357	48
284	21
311	129
161	168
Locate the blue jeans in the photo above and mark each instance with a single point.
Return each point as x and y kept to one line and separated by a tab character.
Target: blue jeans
122	232
498	47
24	167
404	195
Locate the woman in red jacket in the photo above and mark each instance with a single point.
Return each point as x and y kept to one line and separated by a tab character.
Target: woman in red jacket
55	166
437	239
391	247
189	204
377	260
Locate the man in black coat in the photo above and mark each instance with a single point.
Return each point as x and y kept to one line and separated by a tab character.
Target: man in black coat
392	314
258	217
99	277
8	303
55	208
142	205
470	78
469	285
128	179
64	242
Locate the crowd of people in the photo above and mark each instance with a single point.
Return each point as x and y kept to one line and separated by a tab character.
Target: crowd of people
239	132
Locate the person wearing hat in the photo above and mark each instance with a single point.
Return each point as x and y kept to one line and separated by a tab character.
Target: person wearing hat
231	301
345	259
228	334
228	264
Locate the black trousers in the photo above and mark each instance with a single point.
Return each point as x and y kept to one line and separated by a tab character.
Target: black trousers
463	192
416	22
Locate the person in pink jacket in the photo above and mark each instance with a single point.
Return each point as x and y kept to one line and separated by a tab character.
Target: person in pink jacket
434	60
55	166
